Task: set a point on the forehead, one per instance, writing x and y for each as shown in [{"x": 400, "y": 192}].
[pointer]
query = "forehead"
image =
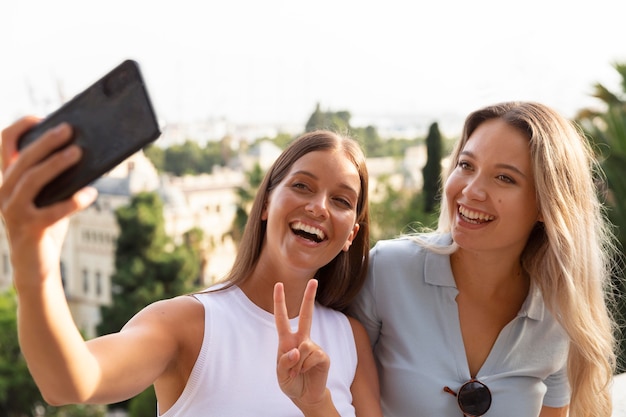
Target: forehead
[
  {"x": 496, "y": 139},
  {"x": 328, "y": 165}
]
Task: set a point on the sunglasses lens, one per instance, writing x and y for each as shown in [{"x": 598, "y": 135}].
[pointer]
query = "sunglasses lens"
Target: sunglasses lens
[{"x": 474, "y": 398}]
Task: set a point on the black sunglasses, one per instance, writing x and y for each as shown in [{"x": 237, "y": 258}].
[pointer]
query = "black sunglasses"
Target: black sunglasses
[{"x": 474, "y": 398}]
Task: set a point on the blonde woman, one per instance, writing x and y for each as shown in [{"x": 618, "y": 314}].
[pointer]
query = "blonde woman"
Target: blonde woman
[{"x": 501, "y": 311}]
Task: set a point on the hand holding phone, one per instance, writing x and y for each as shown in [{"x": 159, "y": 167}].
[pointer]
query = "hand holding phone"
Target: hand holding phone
[{"x": 111, "y": 120}]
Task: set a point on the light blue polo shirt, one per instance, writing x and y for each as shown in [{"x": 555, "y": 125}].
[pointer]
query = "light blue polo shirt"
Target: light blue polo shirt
[{"x": 408, "y": 306}]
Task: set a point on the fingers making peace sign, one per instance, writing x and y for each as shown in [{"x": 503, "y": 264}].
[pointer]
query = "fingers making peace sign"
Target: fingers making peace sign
[{"x": 302, "y": 366}]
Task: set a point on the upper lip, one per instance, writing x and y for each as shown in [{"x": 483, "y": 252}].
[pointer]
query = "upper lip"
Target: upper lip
[
  {"x": 474, "y": 214},
  {"x": 308, "y": 228}
]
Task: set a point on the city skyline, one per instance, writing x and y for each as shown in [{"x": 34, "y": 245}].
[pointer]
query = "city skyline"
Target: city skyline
[{"x": 273, "y": 61}]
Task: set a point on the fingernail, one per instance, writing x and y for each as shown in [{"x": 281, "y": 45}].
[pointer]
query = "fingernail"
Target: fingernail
[
  {"x": 87, "y": 195},
  {"x": 292, "y": 354},
  {"x": 70, "y": 152},
  {"x": 59, "y": 128}
]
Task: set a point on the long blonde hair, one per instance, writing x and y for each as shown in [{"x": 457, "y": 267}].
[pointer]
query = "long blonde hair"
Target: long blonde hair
[{"x": 568, "y": 255}]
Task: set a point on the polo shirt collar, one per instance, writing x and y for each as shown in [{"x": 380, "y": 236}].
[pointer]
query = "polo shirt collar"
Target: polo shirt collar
[{"x": 438, "y": 272}]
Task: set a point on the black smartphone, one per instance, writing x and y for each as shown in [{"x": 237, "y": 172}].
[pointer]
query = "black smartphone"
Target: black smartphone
[{"x": 111, "y": 120}]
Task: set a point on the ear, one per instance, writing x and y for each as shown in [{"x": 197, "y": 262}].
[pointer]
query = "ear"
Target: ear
[
  {"x": 264, "y": 211},
  {"x": 351, "y": 237}
]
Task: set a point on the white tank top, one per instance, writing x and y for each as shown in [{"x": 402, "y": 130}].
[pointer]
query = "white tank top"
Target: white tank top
[{"x": 235, "y": 372}]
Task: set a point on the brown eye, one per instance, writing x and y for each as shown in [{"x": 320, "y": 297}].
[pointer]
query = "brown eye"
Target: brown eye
[
  {"x": 344, "y": 202},
  {"x": 506, "y": 179},
  {"x": 463, "y": 165}
]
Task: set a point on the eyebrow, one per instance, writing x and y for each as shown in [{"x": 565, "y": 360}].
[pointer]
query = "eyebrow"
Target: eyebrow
[
  {"x": 499, "y": 165},
  {"x": 341, "y": 185}
]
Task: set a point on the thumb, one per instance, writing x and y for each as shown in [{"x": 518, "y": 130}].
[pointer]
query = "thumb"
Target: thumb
[{"x": 287, "y": 364}]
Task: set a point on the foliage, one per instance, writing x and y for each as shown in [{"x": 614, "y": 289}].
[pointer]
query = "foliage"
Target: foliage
[
  {"x": 370, "y": 140},
  {"x": 19, "y": 396},
  {"x": 397, "y": 211},
  {"x": 281, "y": 140},
  {"x": 373, "y": 145},
  {"x": 335, "y": 121},
  {"x": 245, "y": 197},
  {"x": 156, "y": 155},
  {"x": 432, "y": 170},
  {"x": 18, "y": 392},
  {"x": 78, "y": 410},
  {"x": 384, "y": 212},
  {"x": 183, "y": 159},
  {"x": 416, "y": 218},
  {"x": 144, "y": 404},
  {"x": 190, "y": 158},
  {"x": 394, "y": 147},
  {"x": 148, "y": 266},
  {"x": 606, "y": 129}
]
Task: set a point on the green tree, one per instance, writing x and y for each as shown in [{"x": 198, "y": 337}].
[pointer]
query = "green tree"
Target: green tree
[
  {"x": 189, "y": 158},
  {"x": 415, "y": 217},
  {"x": 183, "y": 159},
  {"x": 215, "y": 153},
  {"x": 335, "y": 121},
  {"x": 19, "y": 396},
  {"x": 606, "y": 129},
  {"x": 143, "y": 405},
  {"x": 18, "y": 392},
  {"x": 386, "y": 210},
  {"x": 432, "y": 170},
  {"x": 282, "y": 140},
  {"x": 245, "y": 197},
  {"x": 226, "y": 152},
  {"x": 395, "y": 211},
  {"x": 317, "y": 120},
  {"x": 148, "y": 266},
  {"x": 395, "y": 147},
  {"x": 370, "y": 140},
  {"x": 156, "y": 155}
]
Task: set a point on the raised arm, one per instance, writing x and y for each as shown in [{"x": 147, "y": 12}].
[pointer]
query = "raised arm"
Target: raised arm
[{"x": 64, "y": 366}]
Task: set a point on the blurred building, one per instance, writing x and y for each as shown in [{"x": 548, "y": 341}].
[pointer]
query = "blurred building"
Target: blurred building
[
  {"x": 207, "y": 202},
  {"x": 88, "y": 255}
]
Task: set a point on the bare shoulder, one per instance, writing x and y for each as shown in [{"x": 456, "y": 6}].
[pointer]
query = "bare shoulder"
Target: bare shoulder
[
  {"x": 359, "y": 332},
  {"x": 170, "y": 313},
  {"x": 181, "y": 319},
  {"x": 176, "y": 306},
  {"x": 177, "y": 326}
]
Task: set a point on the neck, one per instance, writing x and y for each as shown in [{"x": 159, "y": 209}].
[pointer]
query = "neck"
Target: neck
[
  {"x": 488, "y": 277},
  {"x": 259, "y": 288}
]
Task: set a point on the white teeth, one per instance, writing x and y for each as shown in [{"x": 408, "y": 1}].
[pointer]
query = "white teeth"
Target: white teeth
[
  {"x": 473, "y": 215},
  {"x": 309, "y": 229}
]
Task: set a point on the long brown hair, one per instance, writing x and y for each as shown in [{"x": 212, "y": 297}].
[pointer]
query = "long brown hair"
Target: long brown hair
[{"x": 340, "y": 279}]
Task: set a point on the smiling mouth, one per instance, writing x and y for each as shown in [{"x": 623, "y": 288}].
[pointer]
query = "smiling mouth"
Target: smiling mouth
[
  {"x": 474, "y": 217},
  {"x": 308, "y": 232}
]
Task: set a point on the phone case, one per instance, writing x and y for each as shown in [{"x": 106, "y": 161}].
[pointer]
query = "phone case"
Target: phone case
[{"x": 111, "y": 120}]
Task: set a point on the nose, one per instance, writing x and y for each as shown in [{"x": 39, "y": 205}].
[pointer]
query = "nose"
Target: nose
[
  {"x": 475, "y": 189},
  {"x": 318, "y": 206}
]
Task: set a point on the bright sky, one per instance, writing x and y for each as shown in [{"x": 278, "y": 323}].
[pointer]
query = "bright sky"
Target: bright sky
[{"x": 271, "y": 61}]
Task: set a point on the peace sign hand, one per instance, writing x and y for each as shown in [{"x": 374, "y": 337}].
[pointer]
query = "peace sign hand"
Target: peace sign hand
[{"x": 302, "y": 366}]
